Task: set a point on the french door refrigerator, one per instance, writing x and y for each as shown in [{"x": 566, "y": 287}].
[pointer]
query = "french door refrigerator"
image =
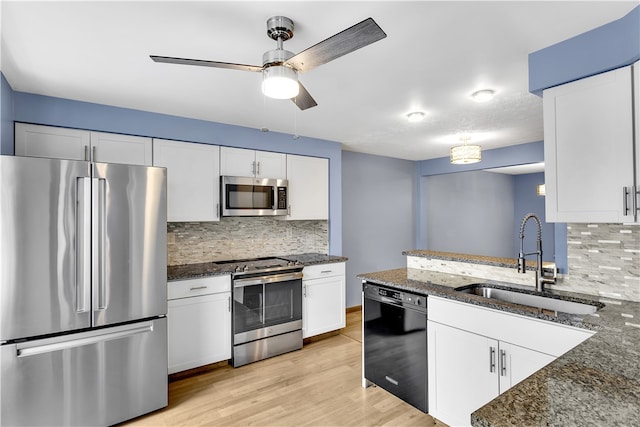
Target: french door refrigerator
[{"x": 83, "y": 338}]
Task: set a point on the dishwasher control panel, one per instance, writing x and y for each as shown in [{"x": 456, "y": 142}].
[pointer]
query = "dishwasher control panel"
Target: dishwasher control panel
[{"x": 394, "y": 296}]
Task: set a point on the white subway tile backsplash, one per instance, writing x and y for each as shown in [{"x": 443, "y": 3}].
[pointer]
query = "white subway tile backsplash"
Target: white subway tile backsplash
[{"x": 603, "y": 263}]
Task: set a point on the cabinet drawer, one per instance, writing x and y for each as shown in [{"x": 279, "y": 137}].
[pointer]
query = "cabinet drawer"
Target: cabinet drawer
[
  {"x": 200, "y": 286},
  {"x": 323, "y": 270},
  {"x": 540, "y": 335}
]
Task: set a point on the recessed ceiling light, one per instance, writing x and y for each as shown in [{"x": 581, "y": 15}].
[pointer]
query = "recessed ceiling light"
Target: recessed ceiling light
[
  {"x": 483, "y": 95},
  {"x": 415, "y": 117}
]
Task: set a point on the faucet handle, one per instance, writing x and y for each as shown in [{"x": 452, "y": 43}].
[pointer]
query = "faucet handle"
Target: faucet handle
[{"x": 521, "y": 264}]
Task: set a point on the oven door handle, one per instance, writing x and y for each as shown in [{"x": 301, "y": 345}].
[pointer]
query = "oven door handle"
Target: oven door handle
[{"x": 272, "y": 278}]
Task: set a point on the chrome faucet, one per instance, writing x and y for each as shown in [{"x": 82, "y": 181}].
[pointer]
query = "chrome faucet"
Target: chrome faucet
[{"x": 540, "y": 278}]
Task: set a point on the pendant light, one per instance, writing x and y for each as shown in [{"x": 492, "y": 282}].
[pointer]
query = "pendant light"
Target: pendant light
[{"x": 465, "y": 154}]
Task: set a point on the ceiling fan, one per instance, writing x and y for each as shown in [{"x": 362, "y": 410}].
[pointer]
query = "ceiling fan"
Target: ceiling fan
[{"x": 280, "y": 67}]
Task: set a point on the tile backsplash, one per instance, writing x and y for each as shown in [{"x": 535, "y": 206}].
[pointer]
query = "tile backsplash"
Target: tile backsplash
[
  {"x": 604, "y": 260},
  {"x": 243, "y": 237}
]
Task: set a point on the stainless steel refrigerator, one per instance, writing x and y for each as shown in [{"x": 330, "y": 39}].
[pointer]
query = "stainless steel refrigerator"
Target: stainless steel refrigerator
[{"x": 83, "y": 332}]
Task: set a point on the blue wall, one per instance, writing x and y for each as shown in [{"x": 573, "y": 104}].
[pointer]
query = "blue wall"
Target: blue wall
[
  {"x": 6, "y": 117},
  {"x": 605, "y": 48},
  {"x": 46, "y": 110},
  {"x": 507, "y": 156},
  {"x": 470, "y": 212},
  {"x": 379, "y": 215},
  {"x": 527, "y": 201}
]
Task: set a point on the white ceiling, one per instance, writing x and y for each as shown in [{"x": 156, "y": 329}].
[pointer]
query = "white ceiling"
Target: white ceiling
[{"x": 436, "y": 54}]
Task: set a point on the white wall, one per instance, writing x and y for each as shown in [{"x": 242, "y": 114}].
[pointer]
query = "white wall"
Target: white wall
[{"x": 378, "y": 215}]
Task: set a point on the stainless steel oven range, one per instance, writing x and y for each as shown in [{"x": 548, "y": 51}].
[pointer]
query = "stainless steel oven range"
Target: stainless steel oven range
[{"x": 267, "y": 308}]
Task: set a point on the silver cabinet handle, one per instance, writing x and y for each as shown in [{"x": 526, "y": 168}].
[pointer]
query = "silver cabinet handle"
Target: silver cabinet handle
[
  {"x": 258, "y": 169},
  {"x": 218, "y": 210},
  {"x": 229, "y": 299},
  {"x": 503, "y": 363},
  {"x": 94, "y": 156},
  {"x": 83, "y": 244},
  {"x": 625, "y": 202},
  {"x": 253, "y": 168},
  {"x": 195, "y": 288},
  {"x": 304, "y": 290},
  {"x": 326, "y": 271},
  {"x": 86, "y": 153},
  {"x": 492, "y": 359}
]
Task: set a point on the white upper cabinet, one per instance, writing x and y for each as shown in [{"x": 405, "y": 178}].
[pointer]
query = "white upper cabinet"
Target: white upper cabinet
[
  {"x": 251, "y": 163},
  {"x": 73, "y": 144},
  {"x": 51, "y": 142},
  {"x": 193, "y": 179},
  {"x": 589, "y": 148},
  {"x": 308, "y": 187},
  {"x": 116, "y": 148}
]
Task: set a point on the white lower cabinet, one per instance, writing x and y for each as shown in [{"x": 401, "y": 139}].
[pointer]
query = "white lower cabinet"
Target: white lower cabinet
[
  {"x": 475, "y": 353},
  {"x": 199, "y": 319},
  {"x": 323, "y": 307}
]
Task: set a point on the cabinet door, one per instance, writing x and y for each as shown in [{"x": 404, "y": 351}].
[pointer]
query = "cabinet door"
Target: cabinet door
[
  {"x": 51, "y": 142},
  {"x": 199, "y": 331},
  {"x": 323, "y": 309},
  {"x": 517, "y": 363},
  {"x": 588, "y": 148},
  {"x": 193, "y": 179},
  {"x": 308, "y": 187},
  {"x": 237, "y": 162},
  {"x": 126, "y": 149},
  {"x": 463, "y": 373},
  {"x": 271, "y": 165}
]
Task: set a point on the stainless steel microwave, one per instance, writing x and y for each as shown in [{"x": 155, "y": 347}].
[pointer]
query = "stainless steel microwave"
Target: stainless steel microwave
[{"x": 243, "y": 196}]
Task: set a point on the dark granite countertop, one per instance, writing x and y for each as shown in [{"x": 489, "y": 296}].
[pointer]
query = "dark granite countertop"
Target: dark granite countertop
[
  {"x": 597, "y": 383},
  {"x": 193, "y": 271},
  {"x": 315, "y": 258}
]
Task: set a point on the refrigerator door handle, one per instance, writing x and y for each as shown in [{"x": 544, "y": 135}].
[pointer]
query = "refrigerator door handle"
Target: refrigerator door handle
[
  {"x": 99, "y": 231},
  {"x": 83, "y": 244},
  {"x": 63, "y": 343}
]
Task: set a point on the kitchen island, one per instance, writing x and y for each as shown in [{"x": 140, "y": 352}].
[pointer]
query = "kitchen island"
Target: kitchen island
[{"x": 595, "y": 383}]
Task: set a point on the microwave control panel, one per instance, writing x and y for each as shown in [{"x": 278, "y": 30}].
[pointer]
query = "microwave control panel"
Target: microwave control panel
[{"x": 282, "y": 197}]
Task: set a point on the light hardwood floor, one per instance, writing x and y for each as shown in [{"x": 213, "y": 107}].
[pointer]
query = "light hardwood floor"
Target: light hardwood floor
[{"x": 316, "y": 386}]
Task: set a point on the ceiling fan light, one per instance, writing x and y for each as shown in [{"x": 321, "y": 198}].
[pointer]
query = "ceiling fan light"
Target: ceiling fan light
[
  {"x": 466, "y": 154},
  {"x": 280, "y": 82}
]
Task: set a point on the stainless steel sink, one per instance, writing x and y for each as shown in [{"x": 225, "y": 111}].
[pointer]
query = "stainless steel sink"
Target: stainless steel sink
[{"x": 531, "y": 299}]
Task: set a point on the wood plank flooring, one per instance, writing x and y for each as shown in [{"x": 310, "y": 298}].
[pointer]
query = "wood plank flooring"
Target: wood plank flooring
[{"x": 316, "y": 386}]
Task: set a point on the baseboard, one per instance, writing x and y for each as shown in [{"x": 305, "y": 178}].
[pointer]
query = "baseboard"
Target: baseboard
[
  {"x": 354, "y": 309},
  {"x": 197, "y": 371}
]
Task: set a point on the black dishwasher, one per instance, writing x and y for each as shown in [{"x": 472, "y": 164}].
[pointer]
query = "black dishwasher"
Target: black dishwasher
[{"x": 395, "y": 342}]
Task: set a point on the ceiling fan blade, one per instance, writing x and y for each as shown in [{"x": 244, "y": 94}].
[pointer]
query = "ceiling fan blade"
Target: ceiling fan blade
[
  {"x": 204, "y": 63},
  {"x": 346, "y": 41},
  {"x": 304, "y": 99}
]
